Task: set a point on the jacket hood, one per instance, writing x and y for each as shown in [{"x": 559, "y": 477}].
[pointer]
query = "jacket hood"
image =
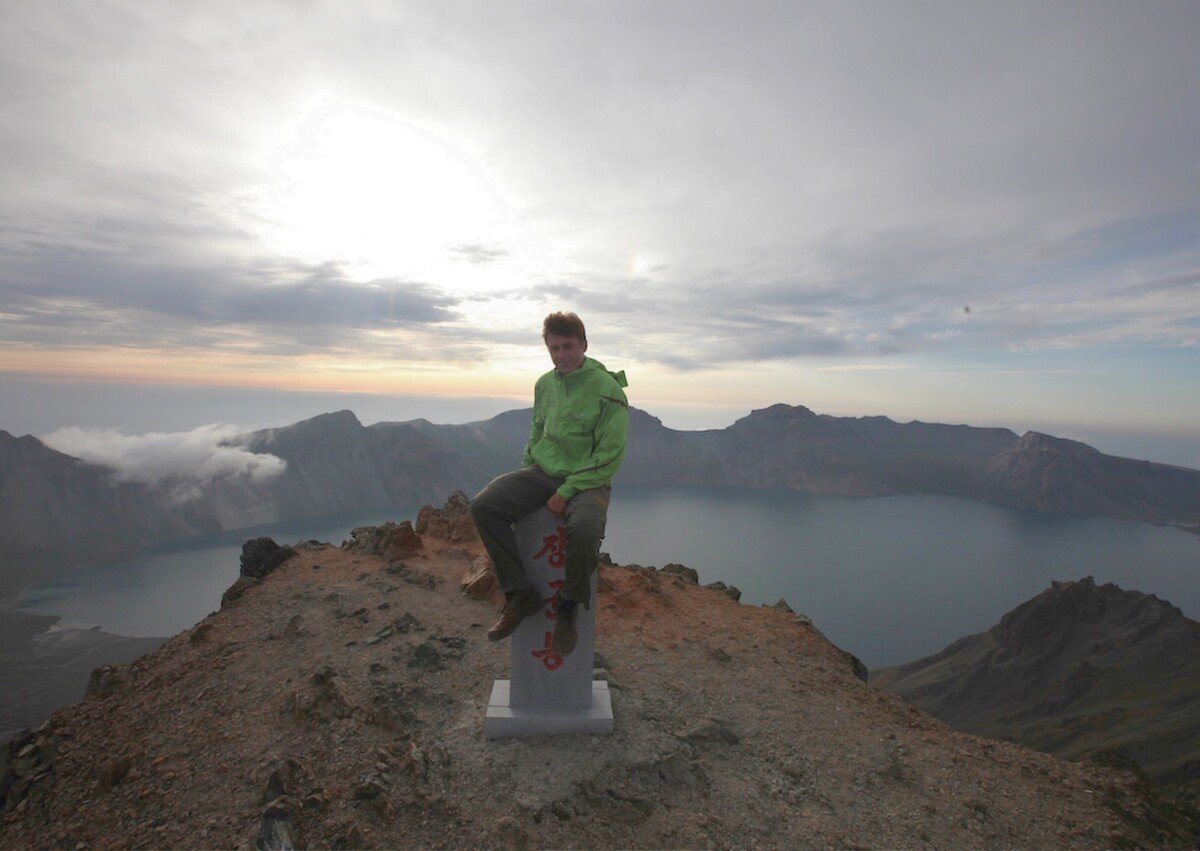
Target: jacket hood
[{"x": 591, "y": 364}]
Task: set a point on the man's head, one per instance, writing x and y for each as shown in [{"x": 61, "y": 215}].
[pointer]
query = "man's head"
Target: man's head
[{"x": 566, "y": 340}]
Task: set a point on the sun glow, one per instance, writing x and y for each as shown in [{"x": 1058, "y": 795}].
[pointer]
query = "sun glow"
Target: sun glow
[{"x": 354, "y": 185}]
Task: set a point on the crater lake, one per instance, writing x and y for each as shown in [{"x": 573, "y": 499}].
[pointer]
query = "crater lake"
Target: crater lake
[{"x": 890, "y": 579}]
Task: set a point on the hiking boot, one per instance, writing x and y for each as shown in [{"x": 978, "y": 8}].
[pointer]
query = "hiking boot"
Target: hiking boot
[
  {"x": 520, "y": 606},
  {"x": 565, "y": 635}
]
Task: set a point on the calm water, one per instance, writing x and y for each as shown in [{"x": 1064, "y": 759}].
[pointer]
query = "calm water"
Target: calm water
[
  {"x": 170, "y": 587},
  {"x": 889, "y": 579}
]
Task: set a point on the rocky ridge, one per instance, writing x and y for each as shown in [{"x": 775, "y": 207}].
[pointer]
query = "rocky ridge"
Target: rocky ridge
[
  {"x": 338, "y": 700},
  {"x": 1079, "y": 669}
]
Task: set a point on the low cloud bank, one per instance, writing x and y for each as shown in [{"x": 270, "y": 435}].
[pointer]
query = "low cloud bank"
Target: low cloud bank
[{"x": 182, "y": 459}]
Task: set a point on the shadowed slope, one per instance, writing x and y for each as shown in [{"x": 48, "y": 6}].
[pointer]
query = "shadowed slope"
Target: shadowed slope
[{"x": 1078, "y": 669}]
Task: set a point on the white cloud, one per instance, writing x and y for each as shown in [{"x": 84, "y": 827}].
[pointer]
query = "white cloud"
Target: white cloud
[
  {"x": 864, "y": 367},
  {"x": 179, "y": 460}
]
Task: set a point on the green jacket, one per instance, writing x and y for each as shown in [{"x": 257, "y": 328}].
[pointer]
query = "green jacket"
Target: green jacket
[{"x": 580, "y": 421}]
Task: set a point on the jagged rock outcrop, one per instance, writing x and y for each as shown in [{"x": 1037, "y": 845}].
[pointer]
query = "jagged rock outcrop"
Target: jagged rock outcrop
[
  {"x": 690, "y": 574},
  {"x": 451, "y": 522},
  {"x": 310, "y": 713},
  {"x": 1077, "y": 670},
  {"x": 731, "y": 591},
  {"x": 391, "y": 541},
  {"x": 259, "y": 557},
  {"x": 262, "y": 555}
]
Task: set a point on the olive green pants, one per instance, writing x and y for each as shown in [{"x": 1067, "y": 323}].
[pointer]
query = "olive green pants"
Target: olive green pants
[{"x": 508, "y": 498}]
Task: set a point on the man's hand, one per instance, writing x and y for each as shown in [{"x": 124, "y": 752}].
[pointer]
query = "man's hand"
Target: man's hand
[{"x": 557, "y": 505}]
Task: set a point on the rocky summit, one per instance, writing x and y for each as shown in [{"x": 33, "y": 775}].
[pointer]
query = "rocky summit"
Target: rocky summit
[
  {"x": 337, "y": 701},
  {"x": 1080, "y": 669}
]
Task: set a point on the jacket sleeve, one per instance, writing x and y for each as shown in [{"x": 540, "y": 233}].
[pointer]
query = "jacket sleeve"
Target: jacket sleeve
[
  {"x": 536, "y": 428},
  {"x": 608, "y": 447}
]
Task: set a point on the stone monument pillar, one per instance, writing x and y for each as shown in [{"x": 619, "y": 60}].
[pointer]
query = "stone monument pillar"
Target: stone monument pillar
[{"x": 548, "y": 693}]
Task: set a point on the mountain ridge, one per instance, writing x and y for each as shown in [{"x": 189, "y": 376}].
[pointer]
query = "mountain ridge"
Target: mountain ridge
[
  {"x": 1078, "y": 669},
  {"x": 334, "y": 463}
]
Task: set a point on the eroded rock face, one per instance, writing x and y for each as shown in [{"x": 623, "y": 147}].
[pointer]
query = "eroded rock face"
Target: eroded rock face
[
  {"x": 452, "y": 522},
  {"x": 390, "y": 541}
]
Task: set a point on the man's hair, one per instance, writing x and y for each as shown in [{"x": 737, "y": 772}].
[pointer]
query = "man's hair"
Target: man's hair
[{"x": 564, "y": 325}]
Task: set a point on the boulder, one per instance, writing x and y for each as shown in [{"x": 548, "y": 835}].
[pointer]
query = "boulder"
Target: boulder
[
  {"x": 687, "y": 573},
  {"x": 481, "y": 583},
  {"x": 731, "y": 591},
  {"x": 262, "y": 555}
]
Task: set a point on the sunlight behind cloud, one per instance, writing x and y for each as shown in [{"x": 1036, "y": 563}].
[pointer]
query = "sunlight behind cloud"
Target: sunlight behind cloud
[{"x": 352, "y": 184}]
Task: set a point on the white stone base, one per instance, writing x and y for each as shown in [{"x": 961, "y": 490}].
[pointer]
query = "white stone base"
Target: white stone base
[{"x": 503, "y": 720}]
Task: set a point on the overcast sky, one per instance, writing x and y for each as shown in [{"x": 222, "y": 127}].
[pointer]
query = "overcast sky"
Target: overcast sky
[{"x": 983, "y": 213}]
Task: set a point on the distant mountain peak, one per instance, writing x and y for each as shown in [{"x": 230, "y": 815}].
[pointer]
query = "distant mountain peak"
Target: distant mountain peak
[
  {"x": 783, "y": 411},
  {"x": 341, "y": 418},
  {"x": 1078, "y": 669},
  {"x": 1082, "y": 602},
  {"x": 778, "y": 413},
  {"x": 321, "y": 427},
  {"x": 1035, "y": 441},
  {"x": 28, "y": 440}
]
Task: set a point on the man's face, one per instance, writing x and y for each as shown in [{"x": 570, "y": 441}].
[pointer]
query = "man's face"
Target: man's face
[{"x": 566, "y": 352}]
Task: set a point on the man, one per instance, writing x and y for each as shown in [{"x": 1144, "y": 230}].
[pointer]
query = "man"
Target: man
[{"x": 576, "y": 443}]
